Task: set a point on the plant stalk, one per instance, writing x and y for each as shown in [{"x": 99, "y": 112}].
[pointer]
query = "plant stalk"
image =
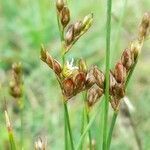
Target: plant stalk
[
  {"x": 68, "y": 125},
  {"x": 88, "y": 119},
  {"x": 106, "y": 105},
  {"x": 88, "y": 127}
]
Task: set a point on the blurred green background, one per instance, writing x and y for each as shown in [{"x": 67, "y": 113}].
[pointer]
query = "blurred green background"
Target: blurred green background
[{"x": 25, "y": 24}]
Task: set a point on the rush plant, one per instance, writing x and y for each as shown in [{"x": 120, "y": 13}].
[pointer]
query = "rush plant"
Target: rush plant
[{"x": 74, "y": 77}]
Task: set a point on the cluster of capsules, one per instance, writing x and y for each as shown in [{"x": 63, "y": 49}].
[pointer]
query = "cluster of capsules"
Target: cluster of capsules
[{"x": 75, "y": 79}]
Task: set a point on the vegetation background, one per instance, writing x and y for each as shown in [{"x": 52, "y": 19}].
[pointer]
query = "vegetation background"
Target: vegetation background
[{"x": 25, "y": 24}]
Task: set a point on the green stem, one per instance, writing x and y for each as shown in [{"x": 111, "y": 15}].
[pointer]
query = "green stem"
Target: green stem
[
  {"x": 82, "y": 126},
  {"x": 89, "y": 132},
  {"x": 88, "y": 119},
  {"x": 65, "y": 130},
  {"x": 11, "y": 140},
  {"x": 68, "y": 125},
  {"x": 106, "y": 105},
  {"x": 87, "y": 128},
  {"x": 115, "y": 114},
  {"x": 100, "y": 129},
  {"x": 21, "y": 106},
  {"x": 119, "y": 26}
]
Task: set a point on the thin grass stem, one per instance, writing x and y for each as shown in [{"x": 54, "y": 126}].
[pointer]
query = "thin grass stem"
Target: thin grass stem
[
  {"x": 106, "y": 105},
  {"x": 82, "y": 126},
  {"x": 115, "y": 114},
  {"x": 88, "y": 119},
  {"x": 68, "y": 125},
  {"x": 88, "y": 127}
]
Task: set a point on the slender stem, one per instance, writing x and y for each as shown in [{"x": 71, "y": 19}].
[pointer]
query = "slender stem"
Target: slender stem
[
  {"x": 115, "y": 114},
  {"x": 21, "y": 107},
  {"x": 88, "y": 119},
  {"x": 119, "y": 27},
  {"x": 89, "y": 132},
  {"x": 87, "y": 127},
  {"x": 82, "y": 126},
  {"x": 106, "y": 106},
  {"x": 68, "y": 124},
  {"x": 65, "y": 130},
  {"x": 100, "y": 130},
  {"x": 12, "y": 142}
]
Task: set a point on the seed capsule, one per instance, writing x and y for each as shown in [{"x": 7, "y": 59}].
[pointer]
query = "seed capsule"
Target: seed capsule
[
  {"x": 82, "y": 65},
  {"x": 77, "y": 28},
  {"x": 136, "y": 48},
  {"x": 69, "y": 35},
  {"x": 65, "y": 16},
  {"x": 68, "y": 88},
  {"x": 43, "y": 54},
  {"x": 93, "y": 94},
  {"x": 119, "y": 72},
  {"x": 87, "y": 22},
  {"x": 127, "y": 59},
  {"x": 57, "y": 67},
  {"x": 99, "y": 76},
  {"x": 49, "y": 60},
  {"x": 60, "y": 4},
  {"x": 79, "y": 81},
  {"x": 144, "y": 26},
  {"x": 119, "y": 91},
  {"x": 90, "y": 79}
]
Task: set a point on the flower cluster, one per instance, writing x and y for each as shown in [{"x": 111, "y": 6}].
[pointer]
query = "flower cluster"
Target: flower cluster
[
  {"x": 75, "y": 79},
  {"x": 16, "y": 82},
  {"x": 123, "y": 68},
  {"x": 72, "y": 31}
]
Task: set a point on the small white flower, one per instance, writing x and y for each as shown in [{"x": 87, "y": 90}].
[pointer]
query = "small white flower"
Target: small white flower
[
  {"x": 70, "y": 65},
  {"x": 69, "y": 68}
]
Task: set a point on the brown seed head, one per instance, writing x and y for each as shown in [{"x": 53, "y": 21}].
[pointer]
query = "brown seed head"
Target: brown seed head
[
  {"x": 93, "y": 94},
  {"x": 79, "y": 81},
  {"x": 16, "y": 67},
  {"x": 57, "y": 67},
  {"x": 65, "y": 16},
  {"x": 49, "y": 60},
  {"x": 60, "y": 5},
  {"x": 69, "y": 35},
  {"x": 144, "y": 26},
  {"x": 15, "y": 85},
  {"x": 127, "y": 59},
  {"x": 99, "y": 76},
  {"x": 90, "y": 79},
  {"x": 77, "y": 28},
  {"x": 43, "y": 55},
  {"x": 136, "y": 48},
  {"x": 68, "y": 88},
  {"x": 119, "y": 91},
  {"x": 119, "y": 73}
]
